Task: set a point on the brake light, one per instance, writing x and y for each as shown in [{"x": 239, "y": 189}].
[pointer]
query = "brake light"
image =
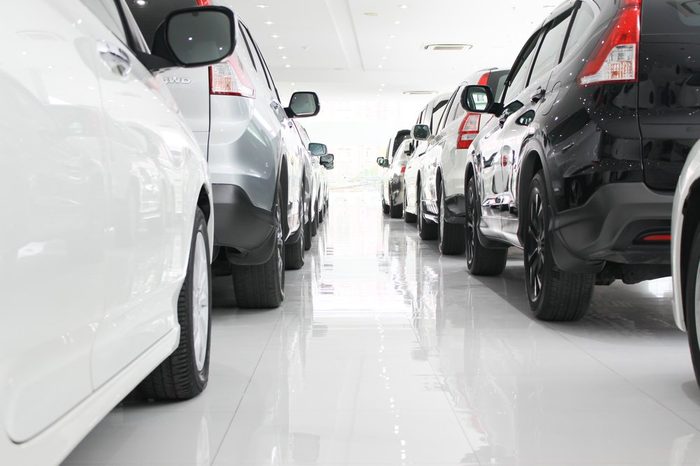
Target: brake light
[
  {"x": 468, "y": 130},
  {"x": 229, "y": 78},
  {"x": 403, "y": 169},
  {"x": 484, "y": 80},
  {"x": 616, "y": 59}
]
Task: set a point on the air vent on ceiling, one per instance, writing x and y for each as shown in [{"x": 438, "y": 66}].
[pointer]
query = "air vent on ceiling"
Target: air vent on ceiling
[
  {"x": 419, "y": 92},
  {"x": 448, "y": 47}
]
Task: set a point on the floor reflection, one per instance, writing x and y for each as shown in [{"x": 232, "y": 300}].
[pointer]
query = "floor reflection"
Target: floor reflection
[{"x": 385, "y": 353}]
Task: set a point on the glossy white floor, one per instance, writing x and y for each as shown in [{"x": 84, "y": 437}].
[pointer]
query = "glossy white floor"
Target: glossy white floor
[{"x": 384, "y": 353}]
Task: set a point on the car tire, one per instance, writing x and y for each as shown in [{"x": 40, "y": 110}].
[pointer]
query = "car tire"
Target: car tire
[
  {"x": 481, "y": 261},
  {"x": 407, "y": 216},
  {"x": 451, "y": 236},
  {"x": 554, "y": 295},
  {"x": 427, "y": 230},
  {"x": 294, "y": 252},
  {"x": 185, "y": 373},
  {"x": 262, "y": 286},
  {"x": 691, "y": 300},
  {"x": 322, "y": 214},
  {"x": 315, "y": 224},
  {"x": 307, "y": 235},
  {"x": 385, "y": 208},
  {"x": 396, "y": 211}
]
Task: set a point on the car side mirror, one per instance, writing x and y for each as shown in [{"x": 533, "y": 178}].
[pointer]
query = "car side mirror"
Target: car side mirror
[
  {"x": 420, "y": 132},
  {"x": 193, "y": 37},
  {"x": 479, "y": 99},
  {"x": 381, "y": 162},
  {"x": 303, "y": 105},
  {"x": 316, "y": 148},
  {"x": 328, "y": 161}
]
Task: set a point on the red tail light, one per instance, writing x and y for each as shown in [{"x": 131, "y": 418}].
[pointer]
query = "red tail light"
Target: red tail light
[
  {"x": 656, "y": 238},
  {"x": 229, "y": 78},
  {"x": 468, "y": 130},
  {"x": 616, "y": 59},
  {"x": 484, "y": 81},
  {"x": 403, "y": 169},
  {"x": 202, "y": 2}
]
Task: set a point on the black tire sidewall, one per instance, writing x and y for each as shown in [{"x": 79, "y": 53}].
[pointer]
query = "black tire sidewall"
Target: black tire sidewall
[
  {"x": 200, "y": 226},
  {"x": 690, "y": 305}
]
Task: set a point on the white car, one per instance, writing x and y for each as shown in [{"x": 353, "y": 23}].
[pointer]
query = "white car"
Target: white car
[
  {"x": 444, "y": 164},
  {"x": 393, "y": 178},
  {"x": 685, "y": 255},
  {"x": 429, "y": 116},
  {"x": 108, "y": 219},
  {"x": 256, "y": 158}
]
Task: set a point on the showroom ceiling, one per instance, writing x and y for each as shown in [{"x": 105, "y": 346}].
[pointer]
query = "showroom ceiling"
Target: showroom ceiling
[{"x": 378, "y": 46}]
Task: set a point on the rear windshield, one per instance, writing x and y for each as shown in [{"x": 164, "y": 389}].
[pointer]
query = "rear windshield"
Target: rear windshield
[
  {"x": 150, "y": 13},
  {"x": 671, "y": 16},
  {"x": 497, "y": 82}
]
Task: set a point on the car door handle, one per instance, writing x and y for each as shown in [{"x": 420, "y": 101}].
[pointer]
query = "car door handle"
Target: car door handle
[
  {"x": 539, "y": 95},
  {"x": 116, "y": 58}
]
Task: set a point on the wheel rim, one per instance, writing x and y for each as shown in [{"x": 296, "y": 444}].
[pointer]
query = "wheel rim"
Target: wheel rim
[
  {"x": 200, "y": 302},
  {"x": 470, "y": 227},
  {"x": 280, "y": 247},
  {"x": 535, "y": 251}
]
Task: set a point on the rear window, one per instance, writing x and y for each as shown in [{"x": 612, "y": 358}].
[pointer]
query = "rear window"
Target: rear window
[
  {"x": 671, "y": 17},
  {"x": 497, "y": 82},
  {"x": 150, "y": 13}
]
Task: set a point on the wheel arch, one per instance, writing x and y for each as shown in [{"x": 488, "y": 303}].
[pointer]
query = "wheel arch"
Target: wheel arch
[
  {"x": 532, "y": 163},
  {"x": 691, "y": 220},
  {"x": 204, "y": 202}
]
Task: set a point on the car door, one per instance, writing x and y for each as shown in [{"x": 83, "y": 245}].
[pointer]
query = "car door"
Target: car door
[
  {"x": 539, "y": 96},
  {"x": 150, "y": 150},
  {"x": 54, "y": 179},
  {"x": 433, "y": 155},
  {"x": 292, "y": 147}
]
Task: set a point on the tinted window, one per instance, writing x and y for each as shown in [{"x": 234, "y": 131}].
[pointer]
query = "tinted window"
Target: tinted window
[
  {"x": 671, "y": 16},
  {"x": 582, "y": 20},
  {"x": 497, "y": 83},
  {"x": 437, "y": 114},
  {"x": 550, "y": 50},
  {"x": 150, "y": 14},
  {"x": 521, "y": 70},
  {"x": 108, "y": 13}
]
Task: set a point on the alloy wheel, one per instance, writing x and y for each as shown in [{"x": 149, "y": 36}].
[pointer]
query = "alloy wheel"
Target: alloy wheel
[
  {"x": 200, "y": 302},
  {"x": 535, "y": 246},
  {"x": 471, "y": 225}
]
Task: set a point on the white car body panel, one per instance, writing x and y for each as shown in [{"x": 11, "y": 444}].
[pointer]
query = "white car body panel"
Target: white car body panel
[
  {"x": 100, "y": 181},
  {"x": 689, "y": 175}
]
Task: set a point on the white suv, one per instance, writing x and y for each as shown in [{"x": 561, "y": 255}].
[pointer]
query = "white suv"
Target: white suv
[
  {"x": 256, "y": 159},
  {"x": 105, "y": 249},
  {"x": 443, "y": 166}
]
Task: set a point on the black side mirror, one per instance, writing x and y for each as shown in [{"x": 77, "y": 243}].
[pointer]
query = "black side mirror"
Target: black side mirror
[
  {"x": 194, "y": 37},
  {"x": 382, "y": 162},
  {"x": 303, "y": 105},
  {"x": 328, "y": 161},
  {"x": 420, "y": 132},
  {"x": 479, "y": 99},
  {"x": 316, "y": 148}
]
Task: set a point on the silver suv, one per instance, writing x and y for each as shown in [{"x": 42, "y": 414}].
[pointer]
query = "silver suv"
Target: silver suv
[{"x": 256, "y": 159}]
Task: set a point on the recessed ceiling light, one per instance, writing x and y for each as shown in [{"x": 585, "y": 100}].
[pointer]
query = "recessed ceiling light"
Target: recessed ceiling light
[
  {"x": 287, "y": 65},
  {"x": 403, "y": 7},
  {"x": 382, "y": 84},
  {"x": 419, "y": 92},
  {"x": 383, "y": 58},
  {"x": 380, "y": 66},
  {"x": 393, "y": 36},
  {"x": 280, "y": 47},
  {"x": 269, "y": 23},
  {"x": 397, "y": 22},
  {"x": 284, "y": 57},
  {"x": 275, "y": 36},
  {"x": 371, "y": 13},
  {"x": 294, "y": 84},
  {"x": 262, "y": 5},
  {"x": 448, "y": 47},
  {"x": 388, "y": 47}
]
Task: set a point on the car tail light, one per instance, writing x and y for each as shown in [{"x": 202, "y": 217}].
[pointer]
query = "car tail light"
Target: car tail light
[
  {"x": 484, "y": 81},
  {"x": 403, "y": 169},
  {"x": 656, "y": 238},
  {"x": 229, "y": 78},
  {"x": 202, "y": 2},
  {"x": 468, "y": 130},
  {"x": 616, "y": 59}
]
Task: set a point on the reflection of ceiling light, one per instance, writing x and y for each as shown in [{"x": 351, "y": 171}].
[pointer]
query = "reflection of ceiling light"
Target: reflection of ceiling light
[
  {"x": 371, "y": 13},
  {"x": 141, "y": 3},
  {"x": 448, "y": 47},
  {"x": 419, "y": 92}
]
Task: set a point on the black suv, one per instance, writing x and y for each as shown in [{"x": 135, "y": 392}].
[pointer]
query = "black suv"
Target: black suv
[{"x": 579, "y": 168}]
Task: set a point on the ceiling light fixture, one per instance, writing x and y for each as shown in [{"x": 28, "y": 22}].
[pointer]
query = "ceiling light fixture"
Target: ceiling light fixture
[
  {"x": 275, "y": 36},
  {"x": 269, "y": 23},
  {"x": 403, "y": 6},
  {"x": 280, "y": 47},
  {"x": 262, "y": 5},
  {"x": 371, "y": 13},
  {"x": 397, "y": 22},
  {"x": 287, "y": 65},
  {"x": 284, "y": 57},
  {"x": 448, "y": 47},
  {"x": 419, "y": 92}
]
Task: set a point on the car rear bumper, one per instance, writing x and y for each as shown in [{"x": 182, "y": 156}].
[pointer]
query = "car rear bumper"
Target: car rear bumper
[
  {"x": 246, "y": 231},
  {"x": 609, "y": 227}
]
